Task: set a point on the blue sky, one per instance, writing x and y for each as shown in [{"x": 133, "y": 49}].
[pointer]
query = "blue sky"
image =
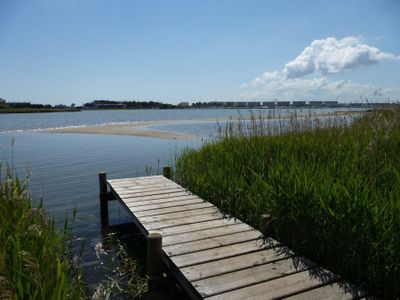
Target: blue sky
[{"x": 65, "y": 51}]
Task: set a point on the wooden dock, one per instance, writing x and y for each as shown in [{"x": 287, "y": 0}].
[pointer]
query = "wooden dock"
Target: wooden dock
[{"x": 213, "y": 255}]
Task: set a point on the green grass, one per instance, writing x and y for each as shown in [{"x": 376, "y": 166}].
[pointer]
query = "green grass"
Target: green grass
[
  {"x": 332, "y": 189},
  {"x": 35, "y": 258}
]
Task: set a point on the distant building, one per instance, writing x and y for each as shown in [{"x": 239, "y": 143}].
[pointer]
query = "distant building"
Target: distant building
[
  {"x": 216, "y": 104},
  {"x": 2, "y": 101},
  {"x": 331, "y": 103},
  {"x": 315, "y": 103},
  {"x": 299, "y": 103},
  {"x": 253, "y": 104},
  {"x": 268, "y": 104},
  {"x": 283, "y": 104}
]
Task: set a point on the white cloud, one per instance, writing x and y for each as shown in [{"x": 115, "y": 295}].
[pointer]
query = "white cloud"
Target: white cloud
[
  {"x": 328, "y": 56},
  {"x": 321, "y": 58}
]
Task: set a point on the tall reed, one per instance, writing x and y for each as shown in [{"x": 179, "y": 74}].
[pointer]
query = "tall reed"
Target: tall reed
[
  {"x": 332, "y": 185},
  {"x": 35, "y": 258}
]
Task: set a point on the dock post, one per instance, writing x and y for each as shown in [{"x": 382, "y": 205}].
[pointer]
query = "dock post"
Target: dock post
[
  {"x": 154, "y": 262},
  {"x": 167, "y": 172},
  {"x": 266, "y": 224},
  {"x": 103, "y": 199}
]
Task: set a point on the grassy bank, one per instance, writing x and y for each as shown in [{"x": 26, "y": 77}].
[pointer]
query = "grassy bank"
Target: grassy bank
[
  {"x": 35, "y": 261},
  {"x": 332, "y": 189}
]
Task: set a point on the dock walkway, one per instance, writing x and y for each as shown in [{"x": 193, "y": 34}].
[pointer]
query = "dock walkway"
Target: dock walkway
[{"x": 215, "y": 256}]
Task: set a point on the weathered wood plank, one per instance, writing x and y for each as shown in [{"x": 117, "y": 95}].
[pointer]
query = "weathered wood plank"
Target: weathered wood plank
[
  {"x": 211, "y": 242},
  {"x": 184, "y": 214},
  {"x": 246, "y": 277},
  {"x": 131, "y": 183},
  {"x": 218, "y": 253},
  {"x": 204, "y": 234},
  {"x": 280, "y": 287},
  {"x": 155, "y": 212},
  {"x": 135, "y": 209},
  {"x": 336, "y": 291},
  {"x": 215, "y": 268},
  {"x": 140, "y": 202},
  {"x": 197, "y": 226},
  {"x": 138, "y": 180},
  {"x": 158, "y": 192},
  {"x": 155, "y": 197},
  {"x": 139, "y": 188},
  {"x": 133, "y": 179},
  {"x": 181, "y": 221}
]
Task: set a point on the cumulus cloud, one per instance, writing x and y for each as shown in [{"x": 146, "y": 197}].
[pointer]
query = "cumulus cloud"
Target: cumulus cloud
[
  {"x": 320, "y": 58},
  {"x": 328, "y": 56}
]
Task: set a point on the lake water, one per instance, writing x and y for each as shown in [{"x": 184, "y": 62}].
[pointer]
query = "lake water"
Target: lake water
[{"x": 63, "y": 167}]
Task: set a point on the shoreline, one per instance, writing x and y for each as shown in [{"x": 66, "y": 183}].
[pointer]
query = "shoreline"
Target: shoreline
[{"x": 141, "y": 128}]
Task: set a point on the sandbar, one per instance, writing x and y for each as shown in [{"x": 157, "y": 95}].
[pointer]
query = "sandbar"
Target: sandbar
[
  {"x": 128, "y": 128},
  {"x": 141, "y": 128}
]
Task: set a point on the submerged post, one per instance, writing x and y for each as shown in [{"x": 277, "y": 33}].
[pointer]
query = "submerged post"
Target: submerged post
[
  {"x": 103, "y": 199},
  {"x": 154, "y": 261},
  {"x": 167, "y": 172}
]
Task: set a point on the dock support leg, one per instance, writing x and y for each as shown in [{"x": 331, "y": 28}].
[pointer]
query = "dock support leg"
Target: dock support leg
[
  {"x": 167, "y": 172},
  {"x": 103, "y": 199},
  {"x": 154, "y": 263},
  {"x": 266, "y": 224}
]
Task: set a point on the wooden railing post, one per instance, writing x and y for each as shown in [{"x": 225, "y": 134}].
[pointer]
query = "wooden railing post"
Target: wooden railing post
[
  {"x": 266, "y": 224},
  {"x": 103, "y": 199},
  {"x": 167, "y": 172},
  {"x": 154, "y": 261}
]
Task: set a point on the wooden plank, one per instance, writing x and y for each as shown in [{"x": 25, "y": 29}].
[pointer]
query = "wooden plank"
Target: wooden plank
[
  {"x": 155, "y": 197},
  {"x": 181, "y": 221},
  {"x": 204, "y": 234},
  {"x": 218, "y": 253},
  {"x": 212, "y": 242},
  {"x": 145, "y": 180},
  {"x": 246, "y": 277},
  {"x": 142, "y": 183},
  {"x": 142, "y": 178},
  {"x": 158, "y": 192},
  {"x": 163, "y": 205},
  {"x": 138, "y": 202},
  {"x": 197, "y": 226},
  {"x": 280, "y": 287},
  {"x": 139, "y": 188},
  {"x": 223, "y": 266},
  {"x": 137, "y": 181},
  {"x": 183, "y": 214},
  {"x": 336, "y": 291},
  {"x": 155, "y": 212}
]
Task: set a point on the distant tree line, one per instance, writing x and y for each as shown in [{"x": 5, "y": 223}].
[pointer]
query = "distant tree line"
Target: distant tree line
[
  {"x": 25, "y": 106},
  {"x": 109, "y": 104}
]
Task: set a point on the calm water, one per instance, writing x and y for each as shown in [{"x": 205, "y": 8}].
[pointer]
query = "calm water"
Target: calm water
[{"x": 63, "y": 167}]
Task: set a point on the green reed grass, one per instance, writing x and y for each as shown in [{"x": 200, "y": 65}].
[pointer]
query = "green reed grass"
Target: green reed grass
[
  {"x": 332, "y": 188},
  {"x": 35, "y": 258}
]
